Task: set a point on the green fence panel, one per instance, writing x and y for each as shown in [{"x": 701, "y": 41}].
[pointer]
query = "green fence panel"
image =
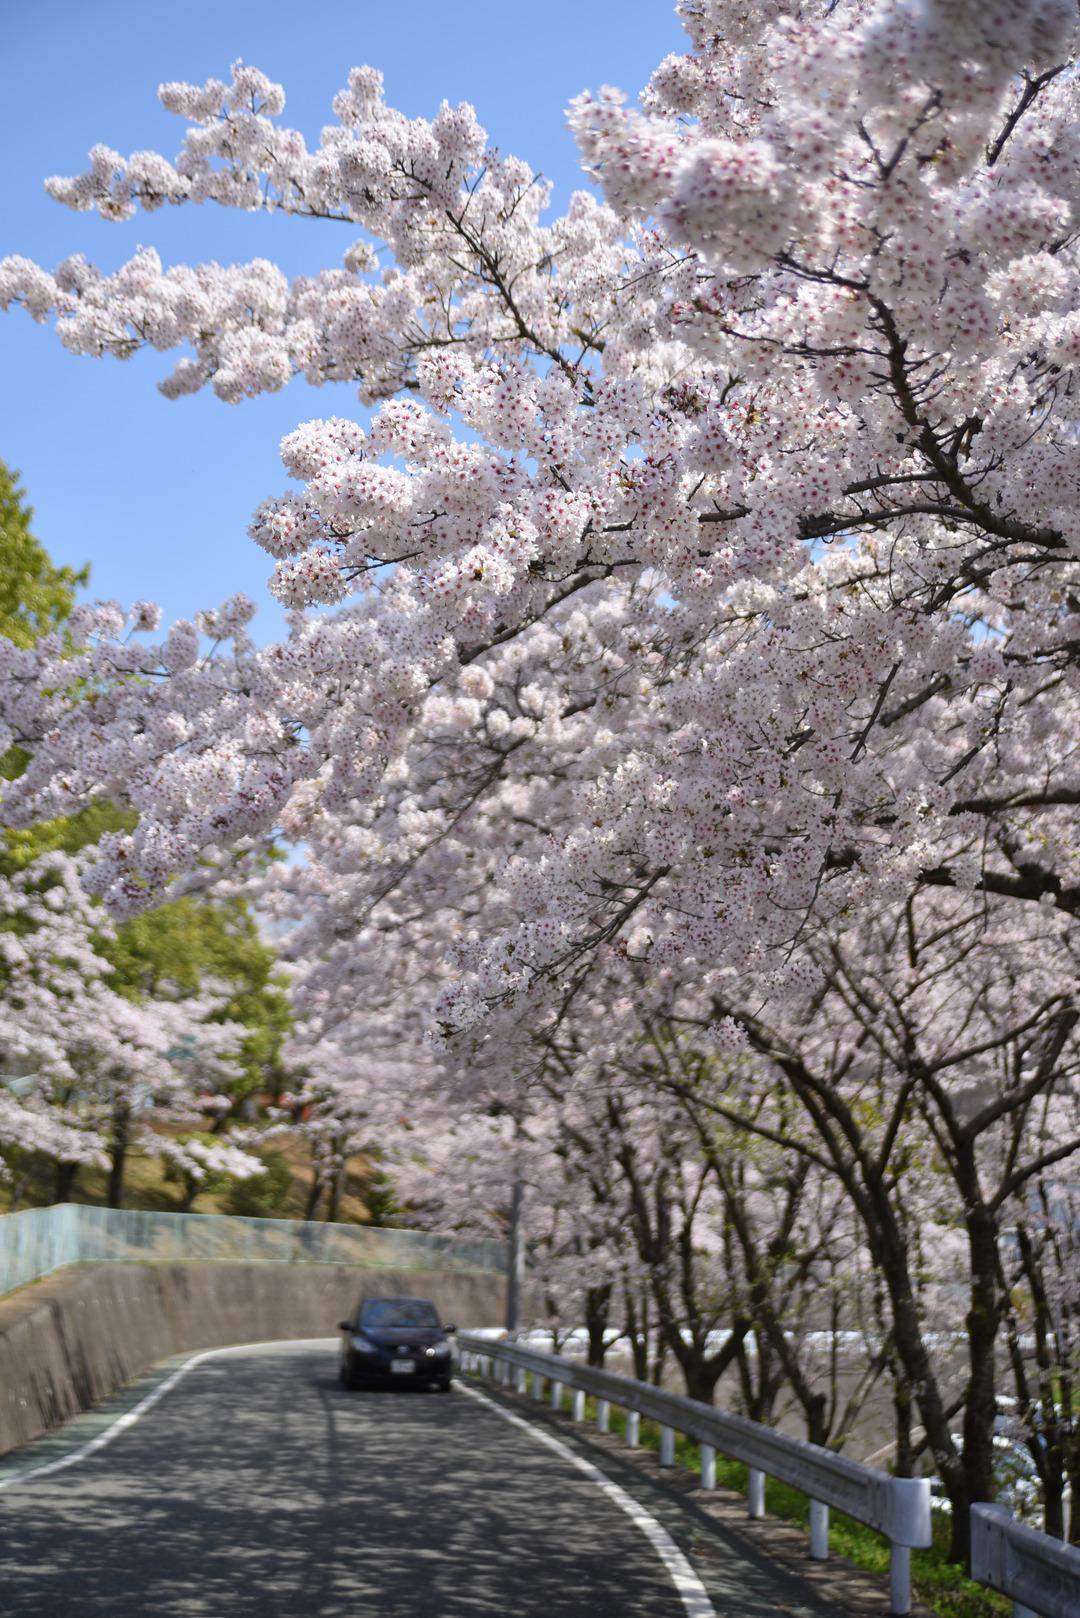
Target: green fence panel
[{"x": 37, "y": 1241}]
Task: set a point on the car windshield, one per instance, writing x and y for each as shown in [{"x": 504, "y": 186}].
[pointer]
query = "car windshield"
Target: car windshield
[{"x": 391, "y": 1312}]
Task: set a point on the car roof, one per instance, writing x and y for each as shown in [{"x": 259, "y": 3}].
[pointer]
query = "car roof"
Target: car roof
[{"x": 401, "y": 1299}]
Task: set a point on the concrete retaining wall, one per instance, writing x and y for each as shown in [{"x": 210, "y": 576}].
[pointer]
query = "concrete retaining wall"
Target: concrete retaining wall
[{"x": 82, "y": 1333}]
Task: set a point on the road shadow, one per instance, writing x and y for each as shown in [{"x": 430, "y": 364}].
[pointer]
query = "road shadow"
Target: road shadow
[{"x": 259, "y": 1488}]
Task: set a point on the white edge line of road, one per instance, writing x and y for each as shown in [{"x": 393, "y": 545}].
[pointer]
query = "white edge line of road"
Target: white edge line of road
[
  {"x": 692, "y": 1592},
  {"x": 136, "y": 1413}
]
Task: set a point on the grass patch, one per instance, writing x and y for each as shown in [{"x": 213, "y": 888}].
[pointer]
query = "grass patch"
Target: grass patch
[{"x": 936, "y": 1582}]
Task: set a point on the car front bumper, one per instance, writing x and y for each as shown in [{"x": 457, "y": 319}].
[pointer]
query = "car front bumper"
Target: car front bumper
[{"x": 376, "y": 1368}]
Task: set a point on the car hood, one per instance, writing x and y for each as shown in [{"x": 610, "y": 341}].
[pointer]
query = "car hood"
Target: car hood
[{"x": 408, "y": 1336}]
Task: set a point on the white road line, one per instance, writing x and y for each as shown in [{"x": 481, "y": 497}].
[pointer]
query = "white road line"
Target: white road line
[
  {"x": 137, "y": 1412},
  {"x": 692, "y": 1592}
]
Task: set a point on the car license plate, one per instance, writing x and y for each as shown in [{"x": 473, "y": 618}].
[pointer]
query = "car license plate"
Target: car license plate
[{"x": 405, "y": 1367}]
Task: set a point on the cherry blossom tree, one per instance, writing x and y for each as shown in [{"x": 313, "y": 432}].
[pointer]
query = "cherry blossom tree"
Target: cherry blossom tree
[
  {"x": 701, "y": 635},
  {"x": 1041, "y": 1266},
  {"x": 793, "y": 402},
  {"x": 90, "y": 1072},
  {"x": 931, "y": 1064}
]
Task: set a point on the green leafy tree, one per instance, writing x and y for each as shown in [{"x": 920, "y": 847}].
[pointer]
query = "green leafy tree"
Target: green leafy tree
[
  {"x": 380, "y": 1199},
  {"x": 35, "y": 594},
  {"x": 265, "y": 1195},
  {"x": 178, "y": 946},
  {"x": 67, "y": 834}
]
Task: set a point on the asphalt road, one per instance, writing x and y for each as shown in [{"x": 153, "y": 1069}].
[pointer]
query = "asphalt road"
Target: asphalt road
[{"x": 256, "y": 1486}]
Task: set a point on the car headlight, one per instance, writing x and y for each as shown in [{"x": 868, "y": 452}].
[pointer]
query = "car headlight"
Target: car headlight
[{"x": 364, "y": 1344}]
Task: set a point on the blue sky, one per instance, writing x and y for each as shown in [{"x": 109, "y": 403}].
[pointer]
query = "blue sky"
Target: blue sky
[{"x": 156, "y": 494}]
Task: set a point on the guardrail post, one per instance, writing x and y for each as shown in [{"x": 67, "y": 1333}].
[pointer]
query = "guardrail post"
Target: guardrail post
[
  {"x": 556, "y": 1395},
  {"x": 603, "y": 1416},
  {"x": 707, "y": 1456},
  {"x": 819, "y": 1531},
  {"x": 519, "y": 1380},
  {"x": 579, "y": 1404},
  {"x": 633, "y": 1429},
  {"x": 538, "y": 1385},
  {"x": 755, "y": 1493},
  {"x": 900, "y": 1580},
  {"x": 667, "y": 1446}
]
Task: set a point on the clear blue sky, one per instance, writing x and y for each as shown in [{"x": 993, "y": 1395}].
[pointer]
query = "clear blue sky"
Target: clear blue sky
[{"x": 156, "y": 494}]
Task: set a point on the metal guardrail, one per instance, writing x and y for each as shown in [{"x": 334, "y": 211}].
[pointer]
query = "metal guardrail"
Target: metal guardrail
[
  {"x": 38, "y": 1241},
  {"x": 899, "y": 1508},
  {"x": 1042, "y": 1575}
]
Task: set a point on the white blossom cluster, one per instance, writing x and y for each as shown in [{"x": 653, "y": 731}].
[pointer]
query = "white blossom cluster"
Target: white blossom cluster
[
  {"x": 689, "y": 754},
  {"x": 75, "y": 1052}
]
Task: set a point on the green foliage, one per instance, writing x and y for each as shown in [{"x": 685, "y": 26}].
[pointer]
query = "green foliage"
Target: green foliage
[
  {"x": 67, "y": 834},
  {"x": 175, "y": 948},
  {"x": 262, "y": 1196},
  {"x": 35, "y": 594},
  {"x": 210, "y": 1183},
  {"x": 380, "y": 1199}
]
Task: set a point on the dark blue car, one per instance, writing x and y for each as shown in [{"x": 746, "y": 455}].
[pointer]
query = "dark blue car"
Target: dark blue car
[{"x": 395, "y": 1342}]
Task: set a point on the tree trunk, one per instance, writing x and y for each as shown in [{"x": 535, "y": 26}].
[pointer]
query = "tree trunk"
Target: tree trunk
[
  {"x": 903, "y": 1458},
  {"x": 983, "y": 1320},
  {"x": 311, "y": 1206},
  {"x": 656, "y": 1371},
  {"x": 66, "y": 1175},
  {"x": 338, "y": 1176},
  {"x": 120, "y": 1136},
  {"x": 700, "y": 1379},
  {"x": 597, "y": 1311},
  {"x": 889, "y": 1251},
  {"x": 638, "y": 1332},
  {"x": 1047, "y": 1409}
]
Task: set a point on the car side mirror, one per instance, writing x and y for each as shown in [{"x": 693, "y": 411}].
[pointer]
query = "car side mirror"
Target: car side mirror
[
  {"x": 344, "y": 1325},
  {"x": 449, "y": 1328}
]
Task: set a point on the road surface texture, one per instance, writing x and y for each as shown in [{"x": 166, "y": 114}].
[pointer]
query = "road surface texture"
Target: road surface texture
[{"x": 256, "y": 1486}]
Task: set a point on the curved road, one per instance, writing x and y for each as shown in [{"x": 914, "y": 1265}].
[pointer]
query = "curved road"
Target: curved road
[{"x": 257, "y": 1488}]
